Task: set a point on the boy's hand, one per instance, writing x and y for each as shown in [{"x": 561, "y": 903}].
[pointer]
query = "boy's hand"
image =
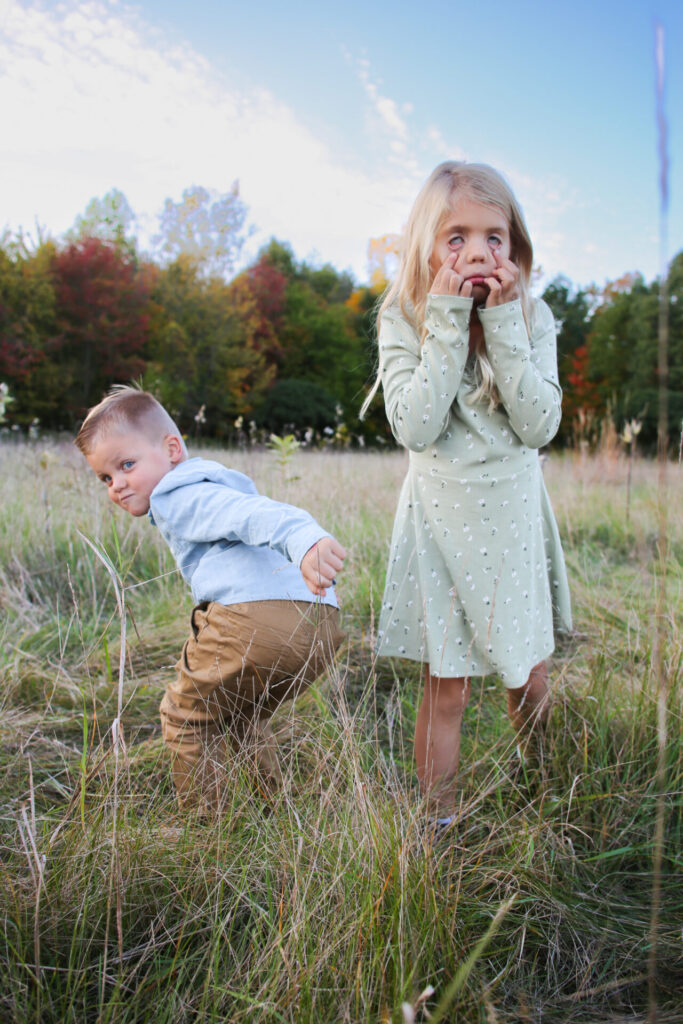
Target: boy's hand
[{"x": 321, "y": 563}]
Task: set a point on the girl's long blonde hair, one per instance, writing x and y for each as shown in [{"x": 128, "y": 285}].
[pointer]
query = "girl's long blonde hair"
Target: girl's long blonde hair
[{"x": 447, "y": 183}]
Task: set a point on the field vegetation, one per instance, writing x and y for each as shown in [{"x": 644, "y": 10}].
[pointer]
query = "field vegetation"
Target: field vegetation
[{"x": 558, "y": 896}]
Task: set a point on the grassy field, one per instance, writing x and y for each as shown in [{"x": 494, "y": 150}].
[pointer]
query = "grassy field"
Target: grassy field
[{"x": 336, "y": 905}]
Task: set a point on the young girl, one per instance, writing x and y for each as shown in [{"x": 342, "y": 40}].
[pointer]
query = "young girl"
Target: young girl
[{"x": 476, "y": 573}]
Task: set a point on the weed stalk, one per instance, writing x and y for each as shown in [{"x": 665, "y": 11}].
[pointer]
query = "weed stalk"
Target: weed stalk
[{"x": 659, "y": 654}]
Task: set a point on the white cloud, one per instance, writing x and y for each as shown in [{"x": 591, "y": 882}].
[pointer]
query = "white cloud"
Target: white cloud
[
  {"x": 90, "y": 101},
  {"x": 94, "y": 98},
  {"x": 386, "y": 120}
]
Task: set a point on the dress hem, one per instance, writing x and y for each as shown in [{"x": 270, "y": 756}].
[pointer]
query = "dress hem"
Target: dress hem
[{"x": 423, "y": 660}]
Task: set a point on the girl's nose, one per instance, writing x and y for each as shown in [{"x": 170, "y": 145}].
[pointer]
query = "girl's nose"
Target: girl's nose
[{"x": 476, "y": 251}]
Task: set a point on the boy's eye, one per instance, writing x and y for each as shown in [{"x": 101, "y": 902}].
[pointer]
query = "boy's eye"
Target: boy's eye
[
  {"x": 127, "y": 465},
  {"x": 105, "y": 479}
]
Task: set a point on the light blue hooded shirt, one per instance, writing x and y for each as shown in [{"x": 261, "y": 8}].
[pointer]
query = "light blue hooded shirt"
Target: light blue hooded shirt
[{"x": 231, "y": 543}]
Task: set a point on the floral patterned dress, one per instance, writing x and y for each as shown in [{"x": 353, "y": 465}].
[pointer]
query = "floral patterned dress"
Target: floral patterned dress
[{"x": 476, "y": 581}]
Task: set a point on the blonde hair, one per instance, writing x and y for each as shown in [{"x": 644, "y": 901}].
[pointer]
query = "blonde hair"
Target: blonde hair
[
  {"x": 449, "y": 182},
  {"x": 126, "y": 407}
]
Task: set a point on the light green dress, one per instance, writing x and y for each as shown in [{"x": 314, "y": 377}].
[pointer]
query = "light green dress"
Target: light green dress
[{"x": 476, "y": 578}]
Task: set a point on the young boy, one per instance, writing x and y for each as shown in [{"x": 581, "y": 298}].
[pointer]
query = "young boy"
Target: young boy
[{"x": 257, "y": 637}]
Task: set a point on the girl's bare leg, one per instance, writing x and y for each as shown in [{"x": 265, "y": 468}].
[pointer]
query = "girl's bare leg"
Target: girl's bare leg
[
  {"x": 437, "y": 738},
  {"x": 528, "y": 706}
]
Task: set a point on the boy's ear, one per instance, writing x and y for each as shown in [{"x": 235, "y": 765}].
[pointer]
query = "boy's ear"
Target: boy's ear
[{"x": 174, "y": 447}]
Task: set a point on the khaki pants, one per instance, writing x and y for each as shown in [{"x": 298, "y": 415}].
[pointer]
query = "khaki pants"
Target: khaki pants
[{"x": 240, "y": 663}]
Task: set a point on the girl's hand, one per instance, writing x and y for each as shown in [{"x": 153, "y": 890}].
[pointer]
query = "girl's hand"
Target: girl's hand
[
  {"x": 503, "y": 283},
  {"x": 320, "y": 565},
  {"x": 447, "y": 281}
]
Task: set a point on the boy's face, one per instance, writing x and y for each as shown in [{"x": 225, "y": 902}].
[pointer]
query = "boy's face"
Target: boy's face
[{"x": 131, "y": 466}]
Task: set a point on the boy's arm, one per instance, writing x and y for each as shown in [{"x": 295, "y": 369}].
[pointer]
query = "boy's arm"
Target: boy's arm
[
  {"x": 321, "y": 563},
  {"x": 206, "y": 512}
]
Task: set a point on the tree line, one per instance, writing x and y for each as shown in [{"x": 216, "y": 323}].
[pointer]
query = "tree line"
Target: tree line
[{"x": 282, "y": 345}]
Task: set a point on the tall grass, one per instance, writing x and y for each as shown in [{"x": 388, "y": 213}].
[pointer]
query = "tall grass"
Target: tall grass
[{"x": 334, "y": 902}]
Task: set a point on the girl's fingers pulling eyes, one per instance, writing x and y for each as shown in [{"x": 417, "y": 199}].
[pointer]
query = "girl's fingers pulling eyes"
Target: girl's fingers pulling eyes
[
  {"x": 446, "y": 282},
  {"x": 501, "y": 261},
  {"x": 510, "y": 266}
]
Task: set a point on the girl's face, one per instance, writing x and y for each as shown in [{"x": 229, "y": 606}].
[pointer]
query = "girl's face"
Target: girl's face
[{"x": 475, "y": 232}]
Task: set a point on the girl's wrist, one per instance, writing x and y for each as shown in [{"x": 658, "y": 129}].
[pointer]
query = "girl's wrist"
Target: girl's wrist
[
  {"x": 453, "y": 301},
  {"x": 484, "y": 310},
  {"x": 501, "y": 300}
]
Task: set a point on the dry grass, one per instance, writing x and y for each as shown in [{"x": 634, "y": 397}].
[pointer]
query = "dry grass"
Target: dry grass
[{"x": 336, "y": 904}]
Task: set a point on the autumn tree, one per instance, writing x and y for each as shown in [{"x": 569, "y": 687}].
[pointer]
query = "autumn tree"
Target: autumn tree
[
  {"x": 383, "y": 257},
  {"x": 285, "y": 342},
  {"x": 205, "y": 227},
  {"x": 102, "y": 322},
  {"x": 28, "y": 327},
  {"x": 267, "y": 286}
]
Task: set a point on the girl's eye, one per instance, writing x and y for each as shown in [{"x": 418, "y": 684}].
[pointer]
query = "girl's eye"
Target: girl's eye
[
  {"x": 495, "y": 241},
  {"x": 455, "y": 240}
]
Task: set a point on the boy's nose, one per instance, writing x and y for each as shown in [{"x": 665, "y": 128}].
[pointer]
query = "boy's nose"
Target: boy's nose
[{"x": 118, "y": 481}]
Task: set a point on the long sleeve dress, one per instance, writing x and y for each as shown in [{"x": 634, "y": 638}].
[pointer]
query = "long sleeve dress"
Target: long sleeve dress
[{"x": 476, "y": 580}]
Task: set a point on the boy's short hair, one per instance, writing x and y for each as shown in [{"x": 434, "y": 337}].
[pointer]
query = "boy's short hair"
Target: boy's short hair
[{"x": 125, "y": 408}]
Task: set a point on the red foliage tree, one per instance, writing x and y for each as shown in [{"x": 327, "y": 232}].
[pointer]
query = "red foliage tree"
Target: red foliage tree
[
  {"x": 103, "y": 313},
  {"x": 268, "y": 287}
]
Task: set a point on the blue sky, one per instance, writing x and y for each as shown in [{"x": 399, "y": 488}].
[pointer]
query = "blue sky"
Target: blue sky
[{"x": 332, "y": 117}]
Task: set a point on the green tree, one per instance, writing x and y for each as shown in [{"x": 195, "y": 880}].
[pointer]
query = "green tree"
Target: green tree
[
  {"x": 293, "y": 404},
  {"x": 320, "y": 345},
  {"x": 362, "y": 305},
  {"x": 571, "y": 309},
  {"x": 28, "y": 332},
  {"x": 327, "y": 282},
  {"x": 111, "y": 219},
  {"x": 320, "y": 336},
  {"x": 623, "y": 347},
  {"x": 625, "y": 322},
  {"x": 201, "y": 350},
  {"x": 675, "y": 381}
]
